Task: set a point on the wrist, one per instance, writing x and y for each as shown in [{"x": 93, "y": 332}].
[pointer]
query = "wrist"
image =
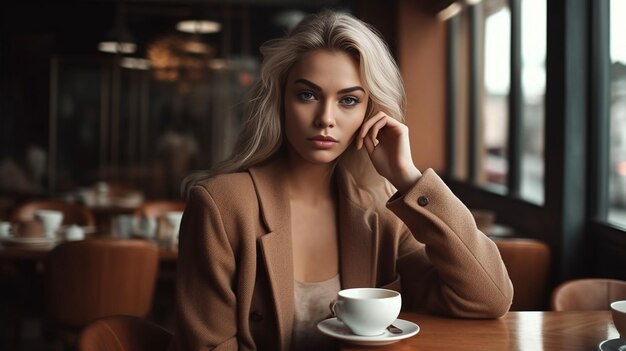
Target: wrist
[{"x": 406, "y": 179}]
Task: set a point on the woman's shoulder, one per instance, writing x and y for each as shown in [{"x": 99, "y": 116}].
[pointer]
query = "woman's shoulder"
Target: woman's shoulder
[{"x": 224, "y": 187}]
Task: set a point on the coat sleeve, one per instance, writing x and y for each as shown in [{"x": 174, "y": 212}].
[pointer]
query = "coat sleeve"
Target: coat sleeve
[
  {"x": 205, "y": 298},
  {"x": 458, "y": 271}
]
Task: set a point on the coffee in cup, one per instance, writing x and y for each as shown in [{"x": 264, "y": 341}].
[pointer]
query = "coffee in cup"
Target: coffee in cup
[
  {"x": 367, "y": 311},
  {"x": 618, "y": 312}
]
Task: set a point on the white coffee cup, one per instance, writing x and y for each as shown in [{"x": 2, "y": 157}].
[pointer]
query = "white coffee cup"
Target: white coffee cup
[
  {"x": 74, "y": 232},
  {"x": 174, "y": 218},
  {"x": 147, "y": 227},
  {"x": 618, "y": 312},
  {"x": 51, "y": 221},
  {"x": 5, "y": 229},
  {"x": 367, "y": 311},
  {"x": 123, "y": 225}
]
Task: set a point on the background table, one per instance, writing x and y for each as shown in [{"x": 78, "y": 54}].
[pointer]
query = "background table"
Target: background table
[{"x": 528, "y": 331}]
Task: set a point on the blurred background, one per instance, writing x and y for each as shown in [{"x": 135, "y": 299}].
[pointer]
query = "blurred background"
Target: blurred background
[{"x": 128, "y": 92}]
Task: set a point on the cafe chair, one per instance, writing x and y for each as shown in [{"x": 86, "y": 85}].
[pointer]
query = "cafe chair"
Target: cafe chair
[
  {"x": 94, "y": 278},
  {"x": 587, "y": 294},
  {"x": 157, "y": 208},
  {"x": 72, "y": 213},
  {"x": 123, "y": 333},
  {"x": 528, "y": 264}
]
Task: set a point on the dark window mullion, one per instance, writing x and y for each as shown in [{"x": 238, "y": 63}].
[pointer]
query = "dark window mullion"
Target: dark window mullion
[
  {"x": 475, "y": 90},
  {"x": 515, "y": 102},
  {"x": 599, "y": 110},
  {"x": 452, "y": 95}
]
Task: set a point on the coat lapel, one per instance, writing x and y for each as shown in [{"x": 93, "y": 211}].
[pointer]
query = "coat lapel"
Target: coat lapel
[{"x": 276, "y": 245}]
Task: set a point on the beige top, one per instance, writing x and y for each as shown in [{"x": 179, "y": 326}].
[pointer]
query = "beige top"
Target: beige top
[{"x": 311, "y": 307}]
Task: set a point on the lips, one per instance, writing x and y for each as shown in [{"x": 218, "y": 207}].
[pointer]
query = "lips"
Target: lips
[
  {"x": 323, "y": 138},
  {"x": 323, "y": 142}
]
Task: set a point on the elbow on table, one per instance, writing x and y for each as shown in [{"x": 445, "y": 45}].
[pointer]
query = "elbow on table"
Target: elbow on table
[
  {"x": 491, "y": 307},
  {"x": 498, "y": 306}
]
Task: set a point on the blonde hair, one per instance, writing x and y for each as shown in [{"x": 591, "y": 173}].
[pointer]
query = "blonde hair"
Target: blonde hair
[{"x": 261, "y": 136}]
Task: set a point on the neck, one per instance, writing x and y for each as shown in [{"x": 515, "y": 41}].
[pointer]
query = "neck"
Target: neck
[{"x": 309, "y": 182}]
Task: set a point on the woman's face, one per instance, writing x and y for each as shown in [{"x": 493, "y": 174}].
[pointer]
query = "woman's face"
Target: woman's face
[{"x": 325, "y": 104}]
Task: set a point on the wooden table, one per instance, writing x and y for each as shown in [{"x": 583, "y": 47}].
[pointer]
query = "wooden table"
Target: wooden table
[{"x": 532, "y": 331}]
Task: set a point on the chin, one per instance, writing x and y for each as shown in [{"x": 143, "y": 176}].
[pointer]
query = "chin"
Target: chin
[{"x": 319, "y": 157}]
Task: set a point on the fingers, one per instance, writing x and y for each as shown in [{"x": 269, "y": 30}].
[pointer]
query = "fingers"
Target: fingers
[
  {"x": 370, "y": 145},
  {"x": 366, "y": 127},
  {"x": 372, "y": 127}
]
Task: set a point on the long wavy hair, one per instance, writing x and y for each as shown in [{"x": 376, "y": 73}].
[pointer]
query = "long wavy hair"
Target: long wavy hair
[{"x": 261, "y": 136}]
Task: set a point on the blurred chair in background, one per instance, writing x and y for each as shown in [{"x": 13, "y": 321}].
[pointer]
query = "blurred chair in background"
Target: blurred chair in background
[
  {"x": 90, "y": 279},
  {"x": 587, "y": 294},
  {"x": 72, "y": 213},
  {"x": 123, "y": 333},
  {"x": 528, "y": 264}
]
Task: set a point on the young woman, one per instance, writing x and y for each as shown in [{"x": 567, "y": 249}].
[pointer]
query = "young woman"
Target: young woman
[{"x": 304, "y": 207}]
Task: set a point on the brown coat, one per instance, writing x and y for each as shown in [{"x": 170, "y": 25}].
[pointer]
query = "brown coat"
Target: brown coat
[{"x": 235, "y": 277}]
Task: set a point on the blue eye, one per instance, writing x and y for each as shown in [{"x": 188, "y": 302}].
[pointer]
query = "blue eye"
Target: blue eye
[
  {"x": 350, "y": 101},
  {"x": 306, "y": 95}
]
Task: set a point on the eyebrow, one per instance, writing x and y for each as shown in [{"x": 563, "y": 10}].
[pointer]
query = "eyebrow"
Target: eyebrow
[{"x": 317, "y": 88}]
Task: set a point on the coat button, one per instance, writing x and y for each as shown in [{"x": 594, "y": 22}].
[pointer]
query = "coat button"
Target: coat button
[
  {"x": 256, "y": 317},
  {"x": 422, "y": 201}
]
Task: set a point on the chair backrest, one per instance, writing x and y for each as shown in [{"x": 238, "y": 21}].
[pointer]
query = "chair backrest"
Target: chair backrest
[
  {"x": 528, "y": 264},
  {"x": 72, "y": 213},
  {"x": 123, "y": 333},
  {"x": 157, "y": 208},
  {"x": 587, "y": 294},
  {"x": 94, "y": 278}
]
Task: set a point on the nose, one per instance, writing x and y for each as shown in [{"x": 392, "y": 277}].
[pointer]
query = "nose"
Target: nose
[{"x": 325, "y": 117}]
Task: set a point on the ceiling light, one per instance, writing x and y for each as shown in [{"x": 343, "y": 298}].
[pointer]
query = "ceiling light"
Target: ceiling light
[
  {"x": 135, "y": 63},
  {"x": 118, "y": 39},
  {"x": 116, "y": 47},
  {"x": 198, "y": 26}
]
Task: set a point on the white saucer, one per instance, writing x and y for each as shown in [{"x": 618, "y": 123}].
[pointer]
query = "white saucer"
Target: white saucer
[
  {"x": 612, "y": 345},
  {"x": 29, "y": 241},
  {"x": 337, "y": 329}
]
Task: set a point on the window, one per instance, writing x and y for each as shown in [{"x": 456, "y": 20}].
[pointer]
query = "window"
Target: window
[
  {"x": 533, "y": 79},
  {"x": 496, "y": 85},
  {"x": 563, "y": 149},
  {"x": 617, "y": 115},
  {"x": 507, "y": 84}
]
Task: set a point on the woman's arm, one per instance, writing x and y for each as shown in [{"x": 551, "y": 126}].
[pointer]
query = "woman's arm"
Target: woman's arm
[
  {"x": 460, "y": 271},
  {"x": 205, "y": 302}
]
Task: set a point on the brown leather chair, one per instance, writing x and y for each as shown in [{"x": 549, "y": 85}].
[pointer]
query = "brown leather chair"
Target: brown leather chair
[
  {"x": 587, "y": 294},
  {"x": 123, "y": 333},
  {"x": 94, "y": 278},
  {"x": 72, "y": 213},
  {"x": 157, "y": 208},
  {"x": 528, "y": 264}
]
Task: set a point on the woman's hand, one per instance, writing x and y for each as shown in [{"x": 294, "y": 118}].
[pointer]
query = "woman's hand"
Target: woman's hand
[{"x": 387, "y": 143}]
